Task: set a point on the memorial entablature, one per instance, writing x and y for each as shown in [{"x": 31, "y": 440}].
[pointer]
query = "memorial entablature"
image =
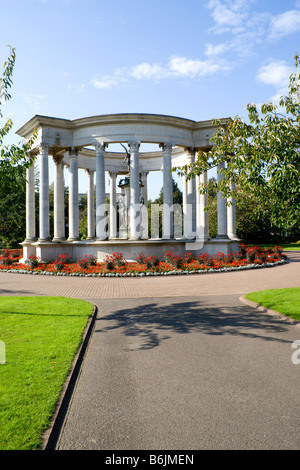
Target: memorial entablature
[{"x": 90, "y": 144}]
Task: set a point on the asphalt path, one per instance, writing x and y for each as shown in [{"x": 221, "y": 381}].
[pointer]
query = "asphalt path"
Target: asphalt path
[{"x": 180, "y": 362}]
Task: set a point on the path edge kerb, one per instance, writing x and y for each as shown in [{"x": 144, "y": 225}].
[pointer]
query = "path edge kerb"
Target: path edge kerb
[
  {"x": 51, "y": 435},
  {"x": 273, "y": 313}
]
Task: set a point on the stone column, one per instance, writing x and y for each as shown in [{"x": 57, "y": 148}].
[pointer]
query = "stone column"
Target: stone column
[
  {"x": 100, "y": 192},
  {"x": 113, "y": 205},
  {"x": 191, "y": 209},
  {"x": 167, "y": 230},
  {"x": 90, "y": 206},
  {"x": 144, "y": 206},
  {"x": 184, "y": 206},
  {"x": 30, "y": 201},
  {"x": 201, "y": 214},
  {"x": 231, "y": 217},
  {"x": 221, "y": 207},
  {"x": 134, "y": 209},
  {"x": 44, "y": 234},
  {"x": 73, "y": 197},
  {"x": 59, "y": 199}
]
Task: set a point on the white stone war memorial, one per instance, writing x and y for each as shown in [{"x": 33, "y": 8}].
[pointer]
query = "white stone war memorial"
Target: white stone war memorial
[{"x": 121, "y": 225}]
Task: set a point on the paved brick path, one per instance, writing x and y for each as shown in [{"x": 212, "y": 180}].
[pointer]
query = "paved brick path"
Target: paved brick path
[{"x": 237, "y": 282}]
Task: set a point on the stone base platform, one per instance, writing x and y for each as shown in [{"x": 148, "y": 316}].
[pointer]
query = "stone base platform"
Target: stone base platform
[{"x": 49, "y": 251}]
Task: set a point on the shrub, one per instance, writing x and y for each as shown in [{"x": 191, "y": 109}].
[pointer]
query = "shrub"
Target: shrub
[
  {"x": 243, "y": 250},
  {"x": 221, "y": 258},
  {"x": 174, "y": 259},
  {"x": 278, "y": 250},
  {"x": 8, "y": 256},
  {"x": 87, "y": 261},
  {"x": 109, "y": 263},
  {"x": 178, "y": 262},
  {"x": 250, "y": 256},
  {"x": 6, "y": 261},
  {"x": 148, "y": 263},
  {"x": 116, "y": 260},
  {"x": 13, "y": 253},
  {"x": 58, "y": 265},
  {"x": 5, "y": 254},
  {"x": 155, "y": 261},
  {"x": 152, "y": 262},
  {"x": 93, "y": 260},
  {"x": 61, "y": 261},
  {"x": 33, "y": 261},
  {"x": 230, "y": 258},
  {"x": 141, "y": 258},
  {"x": 169, "y": 256},
  {"x": 17, "y": 253},
  {"x": 189, "y": 257},
  {"x": 84, "y": 263},
  {"x": 263, "y": 257},
  {"x": 209, "y": 261},
  {"x": 203, "y": 257}
]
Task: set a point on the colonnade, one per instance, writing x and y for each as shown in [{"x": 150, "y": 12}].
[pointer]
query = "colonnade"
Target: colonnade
[{"x": 195, "y": 217}]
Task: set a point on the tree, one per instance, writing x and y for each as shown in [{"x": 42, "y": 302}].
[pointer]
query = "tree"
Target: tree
[
  {"x": 253, "y": 229},
  {"x": 12, "y": 204},
  {"x": 249, "y": 228},
  {"x": 177, "y": 195},
  {"x": 177, "y": 200},
  {"x": 262, "y": 158},
  {"x": 83, "y": 217},
  {"x": 13, "y": 164}
]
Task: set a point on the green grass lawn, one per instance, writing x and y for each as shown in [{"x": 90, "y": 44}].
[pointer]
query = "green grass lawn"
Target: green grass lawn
[
  {"x": 285, "y": 301},
  {"x": 287, "y": 246},
  {"x": 41, "y": 337}
]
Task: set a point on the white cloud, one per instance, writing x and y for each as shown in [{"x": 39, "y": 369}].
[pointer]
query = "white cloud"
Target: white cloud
[
  {"x": 275, "y": 73},
  {"x": 181, "y": 66},
  {"x": 235, "y": 16},
  {"x": 212, "y": 50},
  {"x": 147, "y": 71},
  {"x": 285, "y": 24},
  {"x": 108, "y": 81},
  {"x": 176, "y": 67},
  {"x": 228, "y": 14},
  {"x": 246, "y": 28}
]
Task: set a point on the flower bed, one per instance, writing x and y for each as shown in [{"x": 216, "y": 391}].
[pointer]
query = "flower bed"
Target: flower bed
[
  {"x": 10, "y": 256},
  {"x": 116, "y": 265}
]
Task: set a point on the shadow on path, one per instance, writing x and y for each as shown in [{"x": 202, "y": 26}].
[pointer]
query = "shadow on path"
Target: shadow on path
[
  {"x": 293, "y": 256},
  {"x": 154, "y": 322},
  {"x": 15, "y": 293}
]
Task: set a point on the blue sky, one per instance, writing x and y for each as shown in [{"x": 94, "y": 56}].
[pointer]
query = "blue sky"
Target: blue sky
[{"x": 197, "y": 59}]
